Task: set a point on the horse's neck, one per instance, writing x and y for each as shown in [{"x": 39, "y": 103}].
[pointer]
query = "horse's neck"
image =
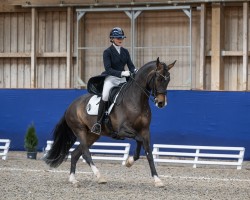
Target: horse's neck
[
  {"x": 138, "y": 89},
  {"x": 143, "y": 77}
]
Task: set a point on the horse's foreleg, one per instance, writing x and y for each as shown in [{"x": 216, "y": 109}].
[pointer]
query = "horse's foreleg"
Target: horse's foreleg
[
  {"x": 148, "y": 152},
  {"x": 130, "y": 161}
]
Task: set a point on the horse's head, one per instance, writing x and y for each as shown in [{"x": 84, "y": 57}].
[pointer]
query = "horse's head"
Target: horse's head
[{"x": 160, "y": 80}]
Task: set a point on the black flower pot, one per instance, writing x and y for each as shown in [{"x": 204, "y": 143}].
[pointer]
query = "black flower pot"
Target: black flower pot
[{"x": 31, "y": 155}]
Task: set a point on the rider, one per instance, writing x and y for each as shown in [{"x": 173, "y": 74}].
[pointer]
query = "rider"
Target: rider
[{"x": 115, "y": 58}]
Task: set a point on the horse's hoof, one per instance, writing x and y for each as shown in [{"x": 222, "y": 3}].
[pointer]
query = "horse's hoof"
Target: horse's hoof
[
  {"x": 129, "y": 162},
  {"x": 159, "y": 184},
  {"x": 73, "y": 180},
  {"x": 102, "y": 180},
  {"x": 76, "y": 184}
]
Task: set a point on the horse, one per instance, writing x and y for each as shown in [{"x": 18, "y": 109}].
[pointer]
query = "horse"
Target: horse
[{"x": 130, "y": 119}]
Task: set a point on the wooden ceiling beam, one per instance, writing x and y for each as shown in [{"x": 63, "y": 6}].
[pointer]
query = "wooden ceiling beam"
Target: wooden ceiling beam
[
  {"x": 11, "y": 8},
  {"x": 111, "y": 2}
]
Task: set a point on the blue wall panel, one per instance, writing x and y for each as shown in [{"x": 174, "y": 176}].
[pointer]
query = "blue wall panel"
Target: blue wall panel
[{"x": 191, "y": 117}]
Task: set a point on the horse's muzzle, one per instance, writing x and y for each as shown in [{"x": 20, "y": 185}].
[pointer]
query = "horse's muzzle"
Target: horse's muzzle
[{"x": 161, "y": 101}]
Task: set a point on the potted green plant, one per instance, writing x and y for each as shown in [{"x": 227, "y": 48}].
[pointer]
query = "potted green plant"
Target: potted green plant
[{"x": 31, "y": 142}]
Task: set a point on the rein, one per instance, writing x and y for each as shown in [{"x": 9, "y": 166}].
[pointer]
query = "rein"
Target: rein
[
  {"x": 154, "y": 90},
  {"x": 146, "y": 92}
]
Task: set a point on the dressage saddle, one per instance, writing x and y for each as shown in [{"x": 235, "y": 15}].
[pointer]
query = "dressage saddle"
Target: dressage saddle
[{"x": 95, "y": 86}]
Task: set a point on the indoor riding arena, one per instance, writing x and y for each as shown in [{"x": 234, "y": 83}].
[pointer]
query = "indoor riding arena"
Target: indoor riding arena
[{"x": 199, "y": 142}]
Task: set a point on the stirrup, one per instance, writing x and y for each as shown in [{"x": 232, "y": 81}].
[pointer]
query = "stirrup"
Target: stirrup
[{"x": 96, "y": 128}]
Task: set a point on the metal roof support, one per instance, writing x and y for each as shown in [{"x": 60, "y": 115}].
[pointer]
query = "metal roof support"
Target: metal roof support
[
  {"x": 133, "y": 15},
  {"x": 115, "y": 9},
  {"x": 80, "y": 14},
  {"x": 189, "y": 14},
  {"x": 77, "y": 75}
]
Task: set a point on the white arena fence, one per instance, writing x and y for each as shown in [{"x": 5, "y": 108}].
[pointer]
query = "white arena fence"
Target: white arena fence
[
  {"x": 4, "y": 148},
  {"x": 121, "y": 152},
  {"x": 199, "y": 155}
]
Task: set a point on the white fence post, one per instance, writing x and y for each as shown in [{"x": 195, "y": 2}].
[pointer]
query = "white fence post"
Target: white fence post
[
  {"x": 155, "y": 153},
  {"x": 196, "y": 157},
  {"x": 5, "y": 148},
  {"x": 126, "y": 153},
  {"x": 240, "y": 160}
]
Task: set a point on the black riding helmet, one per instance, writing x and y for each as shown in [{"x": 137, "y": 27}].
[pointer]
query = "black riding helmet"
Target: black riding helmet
[{"x": 116, "y": 32}]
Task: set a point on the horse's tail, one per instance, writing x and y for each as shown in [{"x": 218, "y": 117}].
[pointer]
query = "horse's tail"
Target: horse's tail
[{"x": 64, "y": 139}]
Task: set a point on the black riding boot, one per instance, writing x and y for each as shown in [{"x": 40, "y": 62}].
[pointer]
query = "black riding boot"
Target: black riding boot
[{"x": 97, "y": 127}]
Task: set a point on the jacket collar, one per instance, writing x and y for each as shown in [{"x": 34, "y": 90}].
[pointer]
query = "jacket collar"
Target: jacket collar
[
  {"x": 114, "y": 51},
  {"x": 122, "y": 54}
]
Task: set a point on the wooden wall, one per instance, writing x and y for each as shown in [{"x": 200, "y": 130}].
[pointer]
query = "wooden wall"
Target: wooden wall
[
  {"x": 38, "y": 45},
  {"x": 234, "y": 48},
  {"x": 16, "y": 42},
  {"x": 51, "y": 37}
]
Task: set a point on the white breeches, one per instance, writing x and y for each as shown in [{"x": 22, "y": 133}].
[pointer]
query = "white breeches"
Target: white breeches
[{"x": 109, "y": 82}]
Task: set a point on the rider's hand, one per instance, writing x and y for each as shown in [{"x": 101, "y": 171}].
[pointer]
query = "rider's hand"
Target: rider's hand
[{"x": 125, "y": 73}]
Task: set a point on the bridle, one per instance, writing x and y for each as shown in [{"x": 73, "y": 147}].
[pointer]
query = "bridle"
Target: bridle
[{"x": 154, "y": 91}]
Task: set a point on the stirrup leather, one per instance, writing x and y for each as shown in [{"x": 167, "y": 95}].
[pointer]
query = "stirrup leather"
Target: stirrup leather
[{"x": 96, "y": 128}]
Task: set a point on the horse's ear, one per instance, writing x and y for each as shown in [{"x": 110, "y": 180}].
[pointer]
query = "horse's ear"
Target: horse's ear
[
  {"x": 171, "y": 65},
  {"x": 157, "y": 63}
]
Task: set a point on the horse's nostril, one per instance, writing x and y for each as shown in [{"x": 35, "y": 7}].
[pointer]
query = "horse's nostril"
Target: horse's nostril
[{"x": 160, "y": 104}]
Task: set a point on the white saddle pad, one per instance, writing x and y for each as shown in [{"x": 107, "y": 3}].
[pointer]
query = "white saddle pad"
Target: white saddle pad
[{"x": 93, "y": 105}]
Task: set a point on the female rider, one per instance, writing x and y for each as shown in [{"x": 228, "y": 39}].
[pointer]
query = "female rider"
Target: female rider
[{"x": 115, "y": 58}]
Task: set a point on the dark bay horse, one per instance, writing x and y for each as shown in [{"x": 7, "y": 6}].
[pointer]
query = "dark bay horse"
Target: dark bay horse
[{"x": 131, "y": 119}]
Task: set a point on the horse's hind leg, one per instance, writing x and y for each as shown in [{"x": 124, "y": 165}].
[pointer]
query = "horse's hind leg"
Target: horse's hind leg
[
  {"x": 83, "y": 149},
  {"x": 75, "y": 155},
  {"x": 87, "y": 156}
]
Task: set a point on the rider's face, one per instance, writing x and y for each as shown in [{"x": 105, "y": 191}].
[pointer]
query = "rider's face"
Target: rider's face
[{"x": 118, "y": 41}]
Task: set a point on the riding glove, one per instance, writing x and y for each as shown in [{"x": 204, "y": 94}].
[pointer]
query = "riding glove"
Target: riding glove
[{"x": 125, "y": 73}]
